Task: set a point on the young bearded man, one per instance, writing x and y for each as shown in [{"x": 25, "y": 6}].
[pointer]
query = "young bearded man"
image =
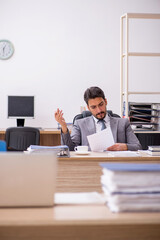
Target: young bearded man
[{"x": 123, "y": 135}]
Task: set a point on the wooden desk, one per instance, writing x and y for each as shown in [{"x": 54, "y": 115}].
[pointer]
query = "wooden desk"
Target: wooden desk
[
  {"x": 82, "y": 173},
  {"x": 48, "y": 137},
  {"x": 77, "y": 222},
  {"x": 2, "y": 134}
]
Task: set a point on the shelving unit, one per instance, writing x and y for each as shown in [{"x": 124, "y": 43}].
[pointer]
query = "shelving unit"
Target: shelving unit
[
  {"x": 144, "y": 116},
  {"x": 124, "y": 77}
]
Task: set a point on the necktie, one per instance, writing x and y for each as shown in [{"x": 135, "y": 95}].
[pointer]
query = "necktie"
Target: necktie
[{"x": 102, "y": 123}]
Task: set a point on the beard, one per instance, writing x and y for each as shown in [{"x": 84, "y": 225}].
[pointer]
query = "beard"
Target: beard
[{"x": 100, "y": 115}]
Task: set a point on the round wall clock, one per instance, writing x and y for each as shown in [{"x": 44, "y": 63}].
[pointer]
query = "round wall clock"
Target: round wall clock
[{"x": 6, "y": 49}]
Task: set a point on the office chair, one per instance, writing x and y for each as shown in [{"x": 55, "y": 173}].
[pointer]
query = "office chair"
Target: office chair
[
  {"x": 88, "y": 113},
  {"x": 20, "y": 138}
]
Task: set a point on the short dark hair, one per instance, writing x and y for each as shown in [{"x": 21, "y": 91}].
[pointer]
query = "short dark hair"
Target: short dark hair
[{"x": 93, "y": 92}]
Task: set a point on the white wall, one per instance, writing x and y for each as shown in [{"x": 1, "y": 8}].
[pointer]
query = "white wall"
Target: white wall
[{"x": 64, "y": 46}]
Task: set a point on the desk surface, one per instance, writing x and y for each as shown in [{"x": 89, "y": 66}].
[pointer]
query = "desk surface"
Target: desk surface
[
  {"x": 77, "y": 222},
  {"x": 105, "y": 156}
]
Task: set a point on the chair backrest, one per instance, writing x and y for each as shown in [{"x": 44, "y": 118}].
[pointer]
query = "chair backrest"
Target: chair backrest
[
  {"x": 88, "y": 113},
  {"x": 20, "y": 138}
]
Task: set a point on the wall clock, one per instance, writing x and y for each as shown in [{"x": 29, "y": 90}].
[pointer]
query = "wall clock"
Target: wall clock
[{"x": 6, "y": 49}]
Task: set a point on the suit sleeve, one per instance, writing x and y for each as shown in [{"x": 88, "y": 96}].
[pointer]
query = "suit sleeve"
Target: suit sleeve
[
  {"x": 73, "y": 139},
  {"x": 133, "y": 143}
]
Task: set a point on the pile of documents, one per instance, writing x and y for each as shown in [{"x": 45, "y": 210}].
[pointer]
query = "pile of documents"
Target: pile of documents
[
  {"x": 154, "y": 150},
  {"x": 131, "y": 186},
  {"x": 62, "y": 150}
]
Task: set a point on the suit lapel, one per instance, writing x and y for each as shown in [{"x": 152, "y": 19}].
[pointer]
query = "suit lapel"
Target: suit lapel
[
  {"x": 90, "y": 125},
  {"x": 113, "y": 125}
]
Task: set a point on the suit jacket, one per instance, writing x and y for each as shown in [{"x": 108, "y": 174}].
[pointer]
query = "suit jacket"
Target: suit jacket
[{"x": 121, "y": 130}]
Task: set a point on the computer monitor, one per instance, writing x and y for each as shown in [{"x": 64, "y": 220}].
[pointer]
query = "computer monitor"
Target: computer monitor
[{"x": 20, "y": 107}]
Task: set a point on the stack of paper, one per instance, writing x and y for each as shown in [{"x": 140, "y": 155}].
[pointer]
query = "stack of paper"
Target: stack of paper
[
  {"x": 62, "y": 150},
  {"x": 131, "y": 186},
  {"x": 79, "y": 198},
  {"x": 154, "y": 150}
]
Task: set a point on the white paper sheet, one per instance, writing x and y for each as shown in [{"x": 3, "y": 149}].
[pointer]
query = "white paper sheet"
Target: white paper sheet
[
  {"x": 101, "y": 141},
  {"x": 124, "y": 153},
  {"x": 79, "y": 198}
]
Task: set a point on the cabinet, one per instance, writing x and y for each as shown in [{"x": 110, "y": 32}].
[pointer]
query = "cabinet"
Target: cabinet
[{"x": 124, "y": 60}]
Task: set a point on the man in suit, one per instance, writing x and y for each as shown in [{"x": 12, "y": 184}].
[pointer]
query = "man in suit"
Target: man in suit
[{"x": 123, "y": 134}]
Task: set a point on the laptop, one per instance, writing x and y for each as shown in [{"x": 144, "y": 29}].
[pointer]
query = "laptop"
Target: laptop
[{"x": 27, "y": 180}]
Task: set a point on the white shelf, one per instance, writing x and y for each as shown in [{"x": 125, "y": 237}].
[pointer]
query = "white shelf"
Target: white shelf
[
  {"x": 142, "y": 54},
  {"x": 124, "y": 76},
  {"x": 141, "y": 15},
  {"x": 141, "y": 93}
]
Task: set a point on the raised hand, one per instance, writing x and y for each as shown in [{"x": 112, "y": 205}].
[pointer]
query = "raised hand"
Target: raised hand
[{"x": 60, "y": 119}]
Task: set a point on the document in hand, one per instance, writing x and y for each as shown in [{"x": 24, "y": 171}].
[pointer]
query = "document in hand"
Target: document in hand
[
  {"x": 101, "y": 141},
  {"x": 62, "y": 150},
  {"x": 131, "y": 186}
]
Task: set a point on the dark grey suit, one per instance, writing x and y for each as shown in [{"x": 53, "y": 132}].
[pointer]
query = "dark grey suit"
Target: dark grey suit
[{"x": 121, "y": 130}]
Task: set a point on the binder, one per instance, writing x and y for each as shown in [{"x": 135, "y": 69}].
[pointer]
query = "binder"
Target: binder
[{"x": 131, "y": 167}]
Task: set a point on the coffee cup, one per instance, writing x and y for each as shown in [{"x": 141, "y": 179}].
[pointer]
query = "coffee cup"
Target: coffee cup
[{"x": 81, "y": 149}]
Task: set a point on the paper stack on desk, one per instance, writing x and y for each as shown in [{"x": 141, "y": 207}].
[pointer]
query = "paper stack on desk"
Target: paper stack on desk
[
  {"x": 154, "y": 150},
  {"x": 131, "y": 186},
  {"x": 62, "y": 150}
]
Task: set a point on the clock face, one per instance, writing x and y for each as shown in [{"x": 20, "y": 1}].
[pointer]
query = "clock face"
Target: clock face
[{"x": 6, "y": 49}]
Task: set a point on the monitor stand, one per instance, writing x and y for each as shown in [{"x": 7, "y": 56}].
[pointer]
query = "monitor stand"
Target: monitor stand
[{"x": 20, "y": 122}]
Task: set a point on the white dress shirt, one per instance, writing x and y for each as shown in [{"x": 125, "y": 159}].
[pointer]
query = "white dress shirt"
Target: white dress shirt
[{"x": 99, "y": 124}]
